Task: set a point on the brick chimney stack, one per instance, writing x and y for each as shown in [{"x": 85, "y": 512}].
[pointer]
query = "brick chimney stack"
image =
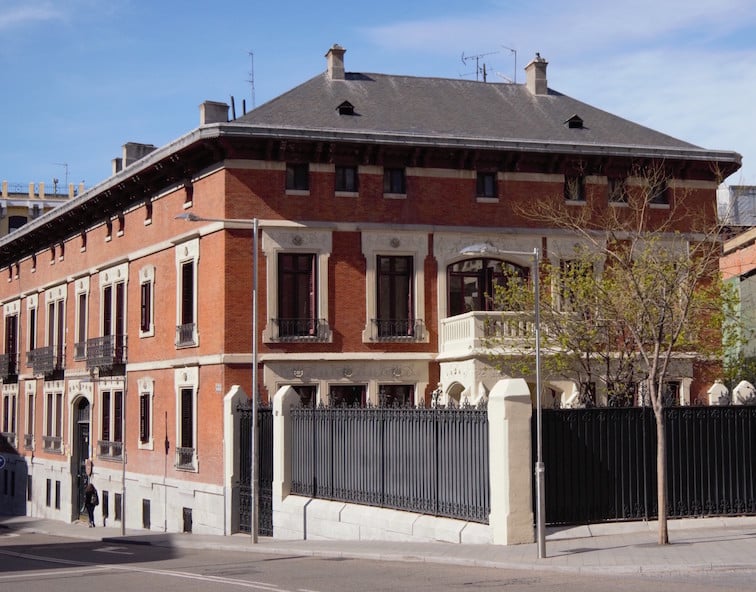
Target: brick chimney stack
[
  {"x": 335, "y": 57},
  {"x": 535, "y": 76}
]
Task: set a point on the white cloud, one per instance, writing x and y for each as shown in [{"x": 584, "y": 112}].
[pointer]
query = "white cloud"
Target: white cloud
[{"x": 24, "y": 13}]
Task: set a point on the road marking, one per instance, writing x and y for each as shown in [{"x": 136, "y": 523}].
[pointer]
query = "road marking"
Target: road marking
[{"x": 114, "y": 550}]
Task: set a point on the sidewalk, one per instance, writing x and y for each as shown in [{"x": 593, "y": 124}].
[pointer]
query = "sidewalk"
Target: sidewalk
[{"x": 620, "y": 548}]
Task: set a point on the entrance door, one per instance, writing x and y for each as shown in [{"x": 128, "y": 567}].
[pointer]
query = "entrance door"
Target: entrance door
[{"x": 80, "y": 455}]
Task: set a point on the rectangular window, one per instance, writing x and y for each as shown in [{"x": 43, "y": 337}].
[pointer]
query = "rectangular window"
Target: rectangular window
[
  {"x": 659, "y": 193},
  {"x": 486, "y": 185},
  {"x": 617, "y": 190},
  {"x": 32, "y": 333},
  {"x": 347, "y": 179},
  {"x": 298, "y": 176},
  {"x": 111, "y": 423},
  {"x": 394, "y": 181},
  {"x": 9, "y": 416},
  {"x": 80, "y": 347},
  {"x": 574, "y": 188},
  {"x": 53, "y": 422},
  {"x": 145, "y": 307},
  {"x": 145, "y": 416},
  {"x": 187, "y": 293},
  {"x": 395, "y": 300},
  {"x": 187, "y": 256},
  {"x": 48, "y": 492},
  {"x": 29, "y": 435},
  {"x": 185, "y": 452},
  {"x": 10, "y": 366},
  {"x": 56, "y": 318},
  {"x": 297, "y": 295}
]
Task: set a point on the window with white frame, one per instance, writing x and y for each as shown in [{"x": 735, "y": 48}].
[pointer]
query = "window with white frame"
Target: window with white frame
[
  {"x": 31, "y": 328},
  {"x": 52, "y": 358},
  {"x": 394, "y": 283},
  {"x": 186, "y": 383},
  {"x": 53, "y": 435},
  {"x": 146, "y": 396},
  {"x": 187, "y": 255},
  {"x": 147, "y": 301},
  {"x": 30, "y": 392},
  {"x": 297, "y": 296},
  {"x": 112, "y": 343},
  {"x": 110, "y": 442},
  {"x": 9, "y": 410},
  {"x": 82, "y": 314},
  {"x": 9, "y": 357}
]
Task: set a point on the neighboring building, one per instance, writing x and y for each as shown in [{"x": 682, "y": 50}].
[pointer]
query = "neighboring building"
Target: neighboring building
[
  {"x": 738, "y": 266},
  {"x": 127, "y": 327},
  {"x": 19, "y": 204},
  {"x": 737, "y": 205}
]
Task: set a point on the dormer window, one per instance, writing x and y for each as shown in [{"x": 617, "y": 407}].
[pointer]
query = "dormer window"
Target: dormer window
[
  {"x": 346, "y": 108},
  {"x": 574, "y": 122}
]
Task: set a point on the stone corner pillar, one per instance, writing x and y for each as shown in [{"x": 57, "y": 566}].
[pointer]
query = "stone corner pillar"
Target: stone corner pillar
[{"x": 511, "y": 463}]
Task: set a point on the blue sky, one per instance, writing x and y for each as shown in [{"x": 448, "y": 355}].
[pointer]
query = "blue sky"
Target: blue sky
[{"x": 82, "y": 77}]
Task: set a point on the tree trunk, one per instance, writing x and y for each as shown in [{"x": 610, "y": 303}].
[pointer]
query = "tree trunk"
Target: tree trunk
[{"x": 661, "y": 472}]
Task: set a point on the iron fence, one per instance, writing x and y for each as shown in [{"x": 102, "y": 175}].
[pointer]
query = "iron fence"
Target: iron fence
[
  {"x": 433, "y": 461},
  {"x": 265, "y": 469}
]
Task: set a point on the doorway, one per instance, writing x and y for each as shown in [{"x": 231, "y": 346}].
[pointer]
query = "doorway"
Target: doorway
[{"x": 81, "y": 456}]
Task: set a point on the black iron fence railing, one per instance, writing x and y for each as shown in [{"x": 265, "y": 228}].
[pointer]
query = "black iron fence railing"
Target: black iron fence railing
[
  {"x": 265, "y": 469},
  {"x": 433, "y": 461},
  {"x": 398, "y": 329}
]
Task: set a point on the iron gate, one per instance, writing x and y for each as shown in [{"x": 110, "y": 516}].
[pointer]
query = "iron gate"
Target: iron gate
[
  {"x": 265, "y": 469},
  {"x": 601, "y": 463}
]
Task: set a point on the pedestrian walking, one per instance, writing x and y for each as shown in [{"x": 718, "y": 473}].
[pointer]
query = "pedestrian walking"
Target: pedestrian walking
[{"x": 91, "y": 499}]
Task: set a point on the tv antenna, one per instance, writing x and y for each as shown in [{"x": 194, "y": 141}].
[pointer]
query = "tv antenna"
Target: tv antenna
[
  {"x": 252, "y": 75},
  {"x": 514, "y": 52},
  {"x": 65, "y": 166},
  {"x": 478, "y": 69}
]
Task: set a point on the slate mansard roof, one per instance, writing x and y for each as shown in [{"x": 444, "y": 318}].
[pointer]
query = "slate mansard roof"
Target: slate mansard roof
[{"x": 415, "y": 107}]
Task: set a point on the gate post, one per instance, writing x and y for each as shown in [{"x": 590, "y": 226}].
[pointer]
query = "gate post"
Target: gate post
[
  {"x": 284, "y": 399},
  {"x": 510, "y": 459}
]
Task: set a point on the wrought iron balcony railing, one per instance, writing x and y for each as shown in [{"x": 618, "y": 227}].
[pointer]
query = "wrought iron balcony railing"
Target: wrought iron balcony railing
[
  {"x": 185, "y": 458},
  {"x": 301, "y": 329},
  {"x": 47, "y": 360},
  {"x": 52, "y": 443},
  {"x": 186, "y": 335},
  {"x": 110, "y": 450},
  {"x": 398, "y": 329},
  {"x": 106, "y": 351},
  {"x": 8, "y": 366}
]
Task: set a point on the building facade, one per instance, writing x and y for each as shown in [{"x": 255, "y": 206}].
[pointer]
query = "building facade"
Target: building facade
[{"x": 128, "y": 329}]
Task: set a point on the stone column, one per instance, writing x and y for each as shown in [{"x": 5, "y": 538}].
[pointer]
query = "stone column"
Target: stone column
[
  {"x": 284, "y": 399},
  {"x": 511, "y": 463}
]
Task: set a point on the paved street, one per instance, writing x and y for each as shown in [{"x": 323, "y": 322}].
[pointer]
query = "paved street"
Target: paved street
[{"x": 710, "y": 554}]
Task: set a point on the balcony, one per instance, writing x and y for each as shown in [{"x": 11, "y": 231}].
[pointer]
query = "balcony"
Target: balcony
[
  {"x": 52, "y": 444},
  {"x": 186, "y": 335},
  {"x": 301, "y": 330},
  {"x": 464, "y": 334},
  {"x": 28, "y": 441},
  {"x": 185, "y": 459},
  {"x": 47, "y": 361},
  {"x": 9, "y": 438},
  {"x": 9, "y": 367},
  {"x": 401, "y": 330},
  {"x": 109, "y": 450},
  {"x": 106, "y": 352}
]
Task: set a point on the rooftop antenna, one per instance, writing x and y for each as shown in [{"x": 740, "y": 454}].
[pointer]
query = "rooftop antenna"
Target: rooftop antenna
[
  {"x": 65, "y": 166},
  {"x": 514, "y": 51},
  {"x": 252, "y": 76},
  {"x": 478, "y": 69}
]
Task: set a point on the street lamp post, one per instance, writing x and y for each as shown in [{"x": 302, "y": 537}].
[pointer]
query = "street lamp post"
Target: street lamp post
[
  {"x": 540, "y": 469},
  {"x": 253, "y": 448}
]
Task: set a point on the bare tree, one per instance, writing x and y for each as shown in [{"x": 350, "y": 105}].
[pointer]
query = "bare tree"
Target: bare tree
[{"x": 643, "y": 289}]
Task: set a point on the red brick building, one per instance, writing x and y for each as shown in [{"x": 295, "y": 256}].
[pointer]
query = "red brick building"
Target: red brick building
[{"x": 127, "y": 327}]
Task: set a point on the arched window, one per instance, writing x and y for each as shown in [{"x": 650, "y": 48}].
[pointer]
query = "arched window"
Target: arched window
[{"x": 472, "y": 281}]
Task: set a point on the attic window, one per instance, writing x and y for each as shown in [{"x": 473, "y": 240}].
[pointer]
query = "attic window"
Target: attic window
[
  {"x": 574, "y": 122},
  {"x": 346, "y": 108}
]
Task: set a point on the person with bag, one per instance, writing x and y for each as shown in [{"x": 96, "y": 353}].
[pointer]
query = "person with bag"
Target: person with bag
[{"x": 91, "y": 499}]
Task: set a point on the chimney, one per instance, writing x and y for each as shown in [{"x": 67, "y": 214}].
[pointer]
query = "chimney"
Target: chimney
[
  {"x": 213, "y": 112},
  {"x": 133, "y": 151},
  {"x": 535, "y": 76},
  {"x": 335, "y": 57}
]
